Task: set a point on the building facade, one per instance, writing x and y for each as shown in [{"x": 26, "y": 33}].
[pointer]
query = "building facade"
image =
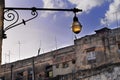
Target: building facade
[{"x": 92, "y": 57}]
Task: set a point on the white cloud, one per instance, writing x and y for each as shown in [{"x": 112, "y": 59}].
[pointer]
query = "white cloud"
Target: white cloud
[
  {"x": 112, "y": 12},
  {"x": 52, "y": 4},
  {"x": 86, "y": 5}
]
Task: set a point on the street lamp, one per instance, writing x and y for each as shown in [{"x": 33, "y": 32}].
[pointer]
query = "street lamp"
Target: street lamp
[
  {"x": 76, "y": 26},
  {"x": 10, "y": 16}
]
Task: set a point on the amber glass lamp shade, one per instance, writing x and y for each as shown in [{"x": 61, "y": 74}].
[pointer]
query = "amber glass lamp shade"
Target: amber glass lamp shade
[{"x": 76, "y": 26}]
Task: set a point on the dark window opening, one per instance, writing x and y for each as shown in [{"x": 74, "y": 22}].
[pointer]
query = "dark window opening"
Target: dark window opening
[
  {"x": 2, "y": 78},
  {"x": 19, "y": 76},
  {"x": 49, "y": 72},
  {"x": 65, "y": 65},
  {"x": 73, "y": 61},
  {"x": 30, "y": 73},
  {"x": 119, "y": 46},
  {"x": 57, "y": 65}
]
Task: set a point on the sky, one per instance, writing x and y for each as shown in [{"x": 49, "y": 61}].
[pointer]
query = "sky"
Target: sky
[{"x": 52, "y": 30}]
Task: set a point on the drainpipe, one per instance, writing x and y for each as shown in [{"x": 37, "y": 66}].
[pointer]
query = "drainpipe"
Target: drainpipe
[
  {"x": 33, "y": 67},
  {"x": 11, "y": 68}
]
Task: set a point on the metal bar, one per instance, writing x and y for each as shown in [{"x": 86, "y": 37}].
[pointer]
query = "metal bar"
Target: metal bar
[
  {"x": 11, "y": 72},
  {"x": 44, "y": 9},
  {"x": 33, "y": 68}
]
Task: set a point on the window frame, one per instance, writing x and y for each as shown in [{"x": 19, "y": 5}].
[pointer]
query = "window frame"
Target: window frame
[{"x": 65, "y": 65}]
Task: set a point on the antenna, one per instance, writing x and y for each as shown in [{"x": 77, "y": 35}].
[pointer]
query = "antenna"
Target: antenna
[
  {"x": 43, "y": 50},
  {"x": 5, "y": 58},
  {"x": 106, "y": 22},
  {"x": 39, "y": 49},
  {"x": 9, "y": 55},
  {"x": 19, "y": 45},
  {"x": 75, "y": 37},
  {"x": 55, "y": 42},
  {"x": 117, "y": 18}
]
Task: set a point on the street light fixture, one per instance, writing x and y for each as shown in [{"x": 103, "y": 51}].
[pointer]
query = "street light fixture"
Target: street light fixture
[
  {"x": 10, "y": 16},
  {"x": 76, "y": 26}
]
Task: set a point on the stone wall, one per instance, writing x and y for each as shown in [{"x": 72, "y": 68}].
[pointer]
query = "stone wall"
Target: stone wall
[
  {"x": 103, "y": 46},
  {"x": 92, "y": 57},
  {"x": 111, "y": 73},
  {"x": 63, "y": 61}
]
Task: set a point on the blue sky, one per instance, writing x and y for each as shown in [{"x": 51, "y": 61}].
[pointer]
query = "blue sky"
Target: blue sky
[{"x": 54, "y": 28}]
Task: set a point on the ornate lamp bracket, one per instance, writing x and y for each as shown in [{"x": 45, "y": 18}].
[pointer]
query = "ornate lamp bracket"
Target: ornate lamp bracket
[{"x": 11, "y": 15}]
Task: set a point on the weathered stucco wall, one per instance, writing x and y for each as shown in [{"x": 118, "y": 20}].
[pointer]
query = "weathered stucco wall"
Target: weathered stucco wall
[
  {"x": 114, "y": 74},
  {"x": 105, "y": 45}
]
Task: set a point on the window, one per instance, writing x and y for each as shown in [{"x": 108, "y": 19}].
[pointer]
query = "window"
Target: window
[
  {"x": 118, "y": 37},
  {"x": 65, "y": 65},
  {"x": 19, "y": 76},
  {"x": 58, "y": 59},
  {"x": 119, "y": 46},
  {"x": 119, "y": 50},
  {"x": 2, "y": 78},
  {"x": 73, "y": 61},
  {"x": 30, "y": 72},
  {"x": 50, "y": 73},
  {"x": 57, "y": 65},
  {"x": 91, "y": 55}
]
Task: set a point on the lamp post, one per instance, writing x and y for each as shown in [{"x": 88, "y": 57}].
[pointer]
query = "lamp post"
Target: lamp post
[
  {"x": 10, "y": 16},
  {"x": 11, "y": 68},
  {"x": 33, "y": 69}
]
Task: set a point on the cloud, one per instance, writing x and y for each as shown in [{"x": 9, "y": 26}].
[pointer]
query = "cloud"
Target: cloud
[
  {"x": 52, "y": 4},
  {"x": 86, "y": 5},
  {"x": 111, "y": 14}
]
